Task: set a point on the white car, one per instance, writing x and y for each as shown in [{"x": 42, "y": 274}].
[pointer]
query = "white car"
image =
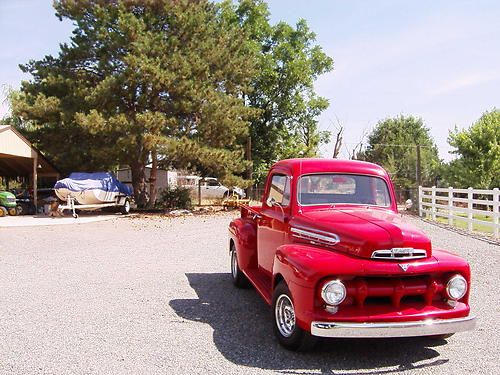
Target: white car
[{"x": 211, "y": 188}]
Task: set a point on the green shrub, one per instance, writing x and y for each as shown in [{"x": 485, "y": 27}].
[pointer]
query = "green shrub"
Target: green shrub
[{"x": 177, "y": 198}]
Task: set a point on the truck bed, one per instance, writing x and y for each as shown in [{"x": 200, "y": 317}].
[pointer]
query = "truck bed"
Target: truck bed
[{"x": 249, "y": 211}]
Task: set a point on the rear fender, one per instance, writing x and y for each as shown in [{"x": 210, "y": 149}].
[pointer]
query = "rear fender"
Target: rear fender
[{"x": 243, "y": 232}]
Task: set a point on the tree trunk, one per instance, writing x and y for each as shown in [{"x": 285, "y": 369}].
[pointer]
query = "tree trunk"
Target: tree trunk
[
  {"x": 139, "y": 183},
  {"x": 152, "y": 179},
  {"x": 338, "y": 143}
]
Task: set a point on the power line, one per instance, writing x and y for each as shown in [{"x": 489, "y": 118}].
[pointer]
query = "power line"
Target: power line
[{"x": 389, "y": 145}]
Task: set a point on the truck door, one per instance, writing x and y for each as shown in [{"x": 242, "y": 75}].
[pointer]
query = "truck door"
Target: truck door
[{"x": 272, "y": 223}]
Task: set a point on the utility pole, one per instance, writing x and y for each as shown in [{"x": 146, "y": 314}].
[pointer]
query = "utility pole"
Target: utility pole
[
  {"x": 250, "y": 166},
  {"x": 199, "y": 191},
  {"x": 152, "y": 179},
  {"x": 418, "y": 167}
]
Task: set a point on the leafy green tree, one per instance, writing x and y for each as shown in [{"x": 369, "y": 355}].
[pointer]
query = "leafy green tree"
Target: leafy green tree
[
  {"x": 289, "y": 61},
  {"x": 393, "y": 144},
  {"x": 143, "y": 78},
  {"x": 478, "y": 154}
]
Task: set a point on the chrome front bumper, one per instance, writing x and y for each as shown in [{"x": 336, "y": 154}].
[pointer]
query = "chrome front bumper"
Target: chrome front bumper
[{"x": 393, "y": 329}]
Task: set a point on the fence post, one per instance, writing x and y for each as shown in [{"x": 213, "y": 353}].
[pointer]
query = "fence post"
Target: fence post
[
  {"x": 450, "y": 205},
  {"x": 199, "y": 192},
  {"x": 470, "y": 197},
  {"x": 433, "y": 203},
  {"x": 496, "y": 212},
  {"x": 420, "y": 198}
]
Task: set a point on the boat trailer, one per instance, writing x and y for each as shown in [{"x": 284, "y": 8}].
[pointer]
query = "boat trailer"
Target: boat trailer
[{"x": 122, "y": 201}]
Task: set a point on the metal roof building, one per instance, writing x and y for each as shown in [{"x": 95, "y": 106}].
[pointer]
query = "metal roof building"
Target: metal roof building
[{"x": 18, "y": 158}]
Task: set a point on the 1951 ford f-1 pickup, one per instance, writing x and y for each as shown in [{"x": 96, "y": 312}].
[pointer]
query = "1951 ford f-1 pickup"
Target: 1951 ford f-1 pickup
[{"x": 329, "y": 251}]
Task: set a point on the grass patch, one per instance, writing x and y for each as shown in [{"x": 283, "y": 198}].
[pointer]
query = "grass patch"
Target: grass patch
[{"x": 462, "y": 224}]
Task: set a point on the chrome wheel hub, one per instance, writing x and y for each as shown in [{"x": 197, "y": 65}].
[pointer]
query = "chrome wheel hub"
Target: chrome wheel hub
[
  {"x": 234, "y": 264},
  {"x": 285, "y": 315}
]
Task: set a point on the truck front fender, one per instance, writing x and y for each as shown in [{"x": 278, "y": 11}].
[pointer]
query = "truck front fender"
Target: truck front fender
[
  {"x": 294, "y": 264},
  {"x": 305, "y": 265}
]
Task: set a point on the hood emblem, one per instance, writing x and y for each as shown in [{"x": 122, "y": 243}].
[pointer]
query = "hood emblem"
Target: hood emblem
[
  {"x": 404, "y": 267},
  {"x": 400, "y": 253}
]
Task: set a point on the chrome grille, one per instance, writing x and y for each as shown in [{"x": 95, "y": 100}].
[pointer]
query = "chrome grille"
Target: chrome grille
[
  {"x": 422, "y": 289},
  {"x": 315, "y": 237},
  {"x": 399, "y": 253}
]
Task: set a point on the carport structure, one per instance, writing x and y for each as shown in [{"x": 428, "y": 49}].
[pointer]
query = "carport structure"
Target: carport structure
[{"x": 18, "y": 158}]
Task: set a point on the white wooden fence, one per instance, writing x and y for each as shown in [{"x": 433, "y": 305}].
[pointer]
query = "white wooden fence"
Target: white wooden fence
[{"x": 461, "y": 205}]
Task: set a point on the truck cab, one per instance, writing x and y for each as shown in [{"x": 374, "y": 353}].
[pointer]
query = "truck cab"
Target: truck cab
[{"x": 329, "y": 252}]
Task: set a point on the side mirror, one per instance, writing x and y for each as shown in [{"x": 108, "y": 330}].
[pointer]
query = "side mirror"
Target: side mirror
[
  {"x": 408, "y": 204},
  {"x": 271, "y": 201}
]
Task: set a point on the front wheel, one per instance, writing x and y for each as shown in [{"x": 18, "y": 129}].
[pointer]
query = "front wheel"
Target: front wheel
[
  {"x": 3, "y": 211},
  {"x": 289, "y": 334}
]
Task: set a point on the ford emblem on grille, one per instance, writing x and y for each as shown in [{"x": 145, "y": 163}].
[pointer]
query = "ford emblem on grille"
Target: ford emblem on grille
[{"x": 404, "y": 267}]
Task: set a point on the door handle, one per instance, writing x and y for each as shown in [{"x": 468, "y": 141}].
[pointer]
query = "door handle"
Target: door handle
[{"x": 256, "y": 217}]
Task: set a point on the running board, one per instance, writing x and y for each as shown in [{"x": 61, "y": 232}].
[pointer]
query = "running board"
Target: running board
[{"x": 262, "y": 284}]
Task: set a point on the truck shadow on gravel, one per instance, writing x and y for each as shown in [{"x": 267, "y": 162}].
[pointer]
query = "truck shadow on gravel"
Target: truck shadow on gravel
[{"x": 243, "y": 334}]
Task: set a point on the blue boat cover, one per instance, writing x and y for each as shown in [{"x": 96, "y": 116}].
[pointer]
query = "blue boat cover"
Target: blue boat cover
[{"x": 79, "y": 181}]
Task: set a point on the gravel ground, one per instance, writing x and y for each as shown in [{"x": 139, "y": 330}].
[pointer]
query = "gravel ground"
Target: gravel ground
[{"x": 153, "y": 296}]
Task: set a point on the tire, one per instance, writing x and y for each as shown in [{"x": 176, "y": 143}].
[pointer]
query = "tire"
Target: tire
[
  {"x": 12, "y": 211},
  {"x": 125, "y": 209},
  {"x": 239, "y": 278},
  {"x": 3, "y": 211},
  {"x": 288, "y": 333}
]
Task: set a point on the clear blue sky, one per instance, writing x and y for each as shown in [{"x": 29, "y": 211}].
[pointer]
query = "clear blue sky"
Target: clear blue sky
[{"x": 439, "y": 60}]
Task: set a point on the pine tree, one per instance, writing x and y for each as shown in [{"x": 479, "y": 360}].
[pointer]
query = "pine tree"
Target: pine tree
[{"x": 142, "y": 78}]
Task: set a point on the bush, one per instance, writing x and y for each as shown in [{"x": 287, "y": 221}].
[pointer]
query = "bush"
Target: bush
[{"x": 177, "y": 198}]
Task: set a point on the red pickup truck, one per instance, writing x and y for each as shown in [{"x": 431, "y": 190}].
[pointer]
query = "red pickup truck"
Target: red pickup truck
[{"x": 329, "y": 252}]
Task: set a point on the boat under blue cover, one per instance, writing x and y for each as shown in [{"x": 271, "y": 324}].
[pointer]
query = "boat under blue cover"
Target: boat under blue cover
[{"x": 90, "y": 188}]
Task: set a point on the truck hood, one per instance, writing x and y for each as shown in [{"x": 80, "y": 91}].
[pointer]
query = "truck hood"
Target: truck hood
[{"x": 361, "y": 231}]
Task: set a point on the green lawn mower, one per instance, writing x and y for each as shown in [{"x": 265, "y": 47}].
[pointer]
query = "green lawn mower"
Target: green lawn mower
[{"x": 8, "y": 205}]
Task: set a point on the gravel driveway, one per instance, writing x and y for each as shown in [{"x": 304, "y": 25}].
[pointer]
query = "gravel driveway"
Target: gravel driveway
[{"x": 153, "y": 296}]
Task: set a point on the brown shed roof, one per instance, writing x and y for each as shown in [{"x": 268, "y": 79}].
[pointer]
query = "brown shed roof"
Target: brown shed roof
[{"x": 17, "y": 154}]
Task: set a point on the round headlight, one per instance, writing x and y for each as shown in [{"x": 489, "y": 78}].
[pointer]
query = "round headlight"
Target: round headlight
[
  {"x": 333, "y": 292},
  {"x": 456, "y": 287}
]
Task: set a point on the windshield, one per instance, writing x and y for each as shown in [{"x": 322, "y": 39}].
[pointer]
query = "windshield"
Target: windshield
[{"x": 321, "y": 189}]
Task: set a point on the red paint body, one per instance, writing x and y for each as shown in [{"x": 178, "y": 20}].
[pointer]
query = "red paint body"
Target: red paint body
[{"x": 377, "y": 290}]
